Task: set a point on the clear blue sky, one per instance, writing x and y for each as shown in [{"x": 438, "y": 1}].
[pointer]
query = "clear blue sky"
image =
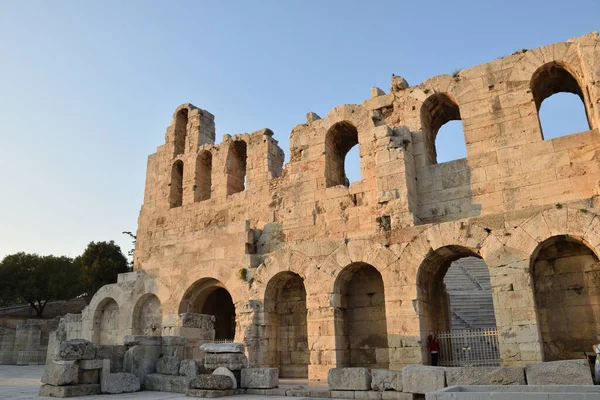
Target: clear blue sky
[{"x": 87, "y": 88}]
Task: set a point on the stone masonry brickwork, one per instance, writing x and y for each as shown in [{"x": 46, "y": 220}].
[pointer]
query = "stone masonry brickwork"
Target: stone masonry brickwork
[{"x": 313, "y": 273}]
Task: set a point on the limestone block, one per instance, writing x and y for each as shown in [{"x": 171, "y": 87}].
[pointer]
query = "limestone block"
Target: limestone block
[
  {"x": 135, "y": 340},
  {"x": 193, "y": 320},
  {"x": 568, "y": 372},
  {"x": 223, "y": 347},
  {"x": 88, "y": 376},
  {"x": 69, "y": 391},
  {"x": 385, "y": 379},
  {"x": 485, "y": 376},
  {"x": 174, "y": 341},
  {"x": 76, "y": 349},
  {"x": 120, "y": 382},
  {"x": 213, "y": 382},
  {"x": 342, "y": 394},
  {"x": 349, "y": 379},
  {"x": 231, "y": 361},
  {"x": 191, "y": 367},
  {"x": 168, "y": 365},
  {"x": 167, "y": 383},
  {"x": 91, "y": 364},
  {"x": 141, "y": 360},
  {"x": 60, "y": 373},
  {"x": 208, "y": 394},
  {"x": 422, "y": 379},
  {"x": 226, "y": 372},
  {"x": 260, "y": 378},
  {"x": 115, "y": 353},
  {"x": 367, "y": 395}
]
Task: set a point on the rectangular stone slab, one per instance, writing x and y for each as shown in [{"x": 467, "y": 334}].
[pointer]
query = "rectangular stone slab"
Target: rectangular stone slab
[
  {"x": 60, "y": 373},
  {"x": 461, "y": 376},
  {"x": 231, "y": 361},
  {"x": 260, "y": 378},
  {"x": 422, "y": 379},
  {"x": 349, "y": 379},
  {"x": 167, "y": 383},
  {"x": 69, "y": 391},
  {"x": 223, "y": 347},
  {"x": 208, "y": 394},
  {"x": 567, "y": 372}
]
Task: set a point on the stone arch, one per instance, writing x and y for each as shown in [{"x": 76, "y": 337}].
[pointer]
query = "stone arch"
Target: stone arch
[
  {"x": 552, "y": 78},
  {"x": 360, "y": 317},
  {"x": 176, "y": 185},
  {"x": 147, "y": 316},
  {"x": 203, "y": 176},
  {"x": 180, "y": 131},
  {"x": 437, "y": 110},
  {"x": 286, "y": 320},
  {"x": 106, "y": 322},
  {"x": 209, "y": 296},
  {"x": 236, "y": 166},
  {"x": 340, "y": 138},
  {"x": 566, "y": 272}
]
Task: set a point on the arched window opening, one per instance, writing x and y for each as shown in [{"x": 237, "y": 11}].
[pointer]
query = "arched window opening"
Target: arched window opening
[
  {"x": 454, "y": 294},
  {"x": 563, "y": 112},
  {"x": 181, "y": 122},
  {"x": 176, "y": 189},
  {"x": 360, "y": 319},
  {"x": 436, "y": 113},
  {"x": 287, "y": 333},
  {"x": 106, "y": 322},
  {"x": 567, "y": 296},
  {"x": 340, "y": 139},
  {"x": 236, "y": 167},
  {"x": 203, "y": 186},
  {"x": 147, "y": 316}
]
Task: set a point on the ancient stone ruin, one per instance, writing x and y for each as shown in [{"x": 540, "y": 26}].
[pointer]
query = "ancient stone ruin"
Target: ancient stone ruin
[{"x": 311, "y": 272}]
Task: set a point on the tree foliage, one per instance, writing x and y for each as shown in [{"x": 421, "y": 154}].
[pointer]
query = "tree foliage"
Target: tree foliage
[
  {"x": 38, "y": 279},
  {"x": 100, "y": 264}
]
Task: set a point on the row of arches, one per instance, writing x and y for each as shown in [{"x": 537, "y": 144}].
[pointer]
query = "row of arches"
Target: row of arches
[
  {"x": 235, "y": 169},
  {"x": 564, "y": 273}
]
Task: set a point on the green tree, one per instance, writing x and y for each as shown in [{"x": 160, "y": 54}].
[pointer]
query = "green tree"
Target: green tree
[
  {"x": 100, "y": 264},
  {"x": 39, "y": 279}
]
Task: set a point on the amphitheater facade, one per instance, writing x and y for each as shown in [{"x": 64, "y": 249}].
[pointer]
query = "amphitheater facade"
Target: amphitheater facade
[{"x": 311, "y": 272}]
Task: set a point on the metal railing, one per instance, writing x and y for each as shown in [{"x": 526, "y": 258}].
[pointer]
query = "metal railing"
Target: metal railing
[
  {"x": 469, "y": 348},
  {"x": 220, "y": 341}
]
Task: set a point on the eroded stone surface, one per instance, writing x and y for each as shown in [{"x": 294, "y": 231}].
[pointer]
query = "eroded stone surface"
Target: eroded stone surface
[
  {"x": 457, "y": 376},
  {"x": 120, "y": 382},
  {"x": 76, "y": 349},
  {"x": 223, "y": 347},
  {"x": 226, "y": 372},
  {"x": 231, "y": 361},
  {"x": 168, "y": 365},
  {"x": 211, "y": 381},
  {"x": 349, "y": 379},
  {"x": 191, "y": 367},
  {"x": 167, "y": 383},
  {"x": 385, "y": 379},
  {"x": 69, "y": 391},
  {"x": 260, "y": 378},
  {"x": 59, "y": 373},
  {"x": 568, "y": 372},
  {"x": 422, "y": 379}
]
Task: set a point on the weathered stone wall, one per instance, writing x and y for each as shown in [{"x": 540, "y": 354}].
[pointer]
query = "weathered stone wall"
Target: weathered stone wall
[{"x": 405, "y": 221}]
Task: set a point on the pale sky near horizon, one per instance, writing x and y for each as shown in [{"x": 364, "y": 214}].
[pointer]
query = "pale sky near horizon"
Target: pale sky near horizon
[{"x": 87, "y": 88}]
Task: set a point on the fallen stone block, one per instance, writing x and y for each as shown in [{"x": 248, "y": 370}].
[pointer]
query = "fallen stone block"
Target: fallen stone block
[
  {"x": 167, "y": 383},
  {"x": 91, "y": 364},
  {"x": 319, "y": 393},
  {"x": 208, "y": 394},
  {"x": 297, "y": 392},
  {"x": 462, "y": 376},
  {"x": 349, "y": 379},
  {"x": 567, "y": 372},
  {"x": 174, "y": 341},
  {"x": 141, "y": 361},
  {"x": 260, "y": 378},
  {"x": 385, "y": 379},
  {"x": 191, "y": 367},
  {"x": 213, "y": 382},
  {"x": 115, "y": 353},
  {"x": 88, "y": 376},
  {"x": 392, "y": 395},
  {"x": 168, "y": 365},
  {"x": 342, "y": 394},
  {"x": 59, "y": 373},
  {"x": 223, "y": 347},
  {"x": 231, "y": 361},
  {"x": 140, "y": 340},
  {"x": 422, "y": 379},
  {"x": 76, "y": 349},
  {"x": 226, "y": 372},
  {"x": 120, "y": 382},
  {"x": 367, "y": 395},
  {"x": 69, "y": 391}
]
